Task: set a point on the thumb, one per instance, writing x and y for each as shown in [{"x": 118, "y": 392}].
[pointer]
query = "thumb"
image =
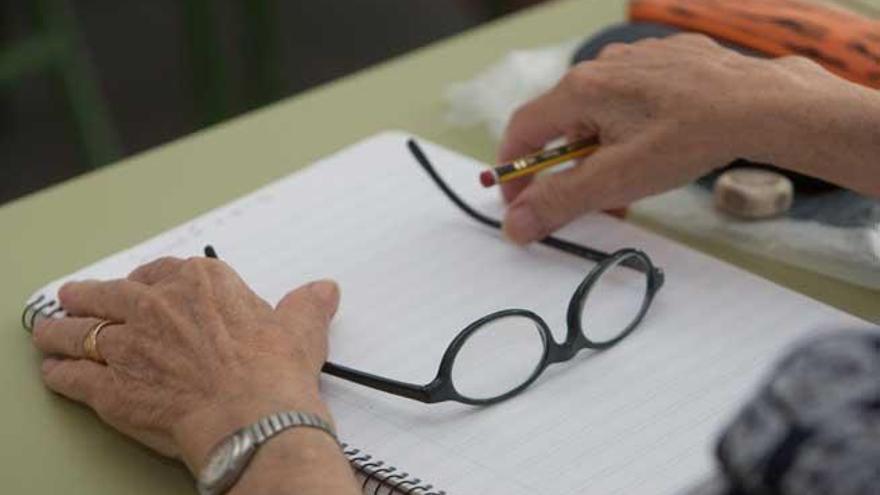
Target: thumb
[
  {"x": 553, "y": 200},
  {"x": 311, "y": 306}
]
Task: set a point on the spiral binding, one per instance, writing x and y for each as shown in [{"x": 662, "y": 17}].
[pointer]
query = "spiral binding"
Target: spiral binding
[
  {"x": 380, "y": 476},
  {"x": 39, "y": 308},
  {"x": 375, "y": 473}
]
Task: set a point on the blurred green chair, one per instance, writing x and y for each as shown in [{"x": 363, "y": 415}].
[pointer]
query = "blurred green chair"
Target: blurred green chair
[
  {"x": 213, "y": 92},
  {"x": 55, "y": 46}
]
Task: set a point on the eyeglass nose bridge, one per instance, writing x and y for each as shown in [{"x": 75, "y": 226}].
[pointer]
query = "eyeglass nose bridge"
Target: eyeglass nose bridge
[{"x": 559, "y": 353}]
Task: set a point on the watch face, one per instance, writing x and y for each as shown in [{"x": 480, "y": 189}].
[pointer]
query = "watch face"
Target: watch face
[
  {"x": 227, "y": 460},
  {"x": 219, "y": 461}
]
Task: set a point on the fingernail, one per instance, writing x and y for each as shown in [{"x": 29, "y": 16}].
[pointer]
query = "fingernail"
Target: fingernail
[
  {"x": 522, "y": 225},
  {"x": 48, "y": 364},
  {"x": 327, "y": 291}
]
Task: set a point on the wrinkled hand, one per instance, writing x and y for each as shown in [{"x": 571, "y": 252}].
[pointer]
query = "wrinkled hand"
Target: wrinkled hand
[
  {"x": 195, "y": 354},
  {"x": 665, "y": 111}
]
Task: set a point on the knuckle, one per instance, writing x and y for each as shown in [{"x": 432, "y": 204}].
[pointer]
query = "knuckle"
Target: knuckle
[
  {"x": 155, "y": 266},
  {"x": 41, "y": 332},
  {"x": 193, "y": 265},
  {"x": 647, "y": 42},
  {"x": 59, "y": 380},
  {"x": 798, "y": 61},
  {"x": 67, "y": 293},
  {"x": 193, "y": 272},
  {"x": 519, "y": 117},
  {"x": 166, "y": 261},
  {"x": 62, "y": 378},
  {"x": 616, "y": 49},
  {"x": 581, "y": 82},
  {"x": 519, "y": 113},
  {"x": 118, "y": 347},
  {"x": 49, "y": 376},
  {"x": 200, "y": 267},
  {"x": 552, "y": 203},
  {"x": 565, "y": 199},
  {"x": 49, "y": 336},
  {"x": 695, "y": 38},
  {"x": 147, "y": 302}
]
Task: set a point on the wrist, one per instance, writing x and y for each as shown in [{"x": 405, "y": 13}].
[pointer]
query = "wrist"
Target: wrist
[
  {"x": 806, "y": 119},
  {"x": 769, "y": 113},
  {"x": 198, "y": 432},
  {"x": 299, "y": 460}
]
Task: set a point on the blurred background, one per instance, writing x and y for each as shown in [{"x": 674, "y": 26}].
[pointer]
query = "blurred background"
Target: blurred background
[{"x": 86, "y": 82}]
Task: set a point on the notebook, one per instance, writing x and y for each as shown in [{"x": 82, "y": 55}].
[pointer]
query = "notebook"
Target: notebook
[{"x": 638, "y": 418}]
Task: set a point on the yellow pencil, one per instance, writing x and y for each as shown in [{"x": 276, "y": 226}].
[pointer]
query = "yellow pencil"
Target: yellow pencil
[{"x": 534, "y": 163}]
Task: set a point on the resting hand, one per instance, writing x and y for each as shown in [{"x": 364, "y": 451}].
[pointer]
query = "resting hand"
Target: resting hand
[
  {"x": 668, "y": 111},
  {"x": 195, "y": 354}
]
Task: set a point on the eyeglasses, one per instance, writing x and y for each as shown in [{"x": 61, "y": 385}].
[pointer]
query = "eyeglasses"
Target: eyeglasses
[{"x": 499, "y": 355}]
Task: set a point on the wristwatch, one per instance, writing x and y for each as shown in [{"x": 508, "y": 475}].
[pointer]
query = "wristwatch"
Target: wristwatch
[{"x": 230, "y": 457}]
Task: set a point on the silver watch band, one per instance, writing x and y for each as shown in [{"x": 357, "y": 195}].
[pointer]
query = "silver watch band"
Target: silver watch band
[
  {"x": 230, "y": 457},
  {"x": 273, "y": 424}
]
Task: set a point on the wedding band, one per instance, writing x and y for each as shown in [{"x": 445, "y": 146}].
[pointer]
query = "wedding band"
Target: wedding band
[{"x": 90, "y": 343}]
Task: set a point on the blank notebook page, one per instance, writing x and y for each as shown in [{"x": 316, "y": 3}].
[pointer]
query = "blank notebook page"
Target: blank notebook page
[{"x": 414, "y": 270}]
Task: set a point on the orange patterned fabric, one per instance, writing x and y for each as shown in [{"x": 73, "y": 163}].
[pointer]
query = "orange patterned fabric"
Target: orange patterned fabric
[{"x": 846, "y": 43}]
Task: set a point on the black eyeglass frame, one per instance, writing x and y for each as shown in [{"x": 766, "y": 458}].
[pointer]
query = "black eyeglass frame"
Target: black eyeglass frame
[{"x": 442, "y": 387}]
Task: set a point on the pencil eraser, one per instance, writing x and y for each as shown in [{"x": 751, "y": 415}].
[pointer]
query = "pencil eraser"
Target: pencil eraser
[{"x": 487, "y": 178}]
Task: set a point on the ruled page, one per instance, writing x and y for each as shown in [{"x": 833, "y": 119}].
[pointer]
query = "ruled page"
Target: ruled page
[{"x": 414, "y": 271}]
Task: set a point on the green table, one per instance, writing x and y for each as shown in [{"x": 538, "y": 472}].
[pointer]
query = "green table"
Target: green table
[{"x": 50, "y": 445}]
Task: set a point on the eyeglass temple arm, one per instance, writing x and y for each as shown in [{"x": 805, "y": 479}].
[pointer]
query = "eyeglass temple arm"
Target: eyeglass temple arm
[
  {"x": 554, "y": 242},
  {"x": 421, "y": 393}
]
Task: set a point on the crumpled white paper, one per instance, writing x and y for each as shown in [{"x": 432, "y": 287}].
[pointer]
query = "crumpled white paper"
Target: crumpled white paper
[{"x": 850, "y": 254}]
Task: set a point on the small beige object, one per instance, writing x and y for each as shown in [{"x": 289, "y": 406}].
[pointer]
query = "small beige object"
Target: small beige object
[
  {"x": 90, "y": 343},
  {"x": 753, "y": 193}
]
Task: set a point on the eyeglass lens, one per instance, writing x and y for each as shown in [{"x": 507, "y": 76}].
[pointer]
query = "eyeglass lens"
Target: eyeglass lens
[
  {"x": 615, "y": 300},
  {"x": 498, "y": 357}
]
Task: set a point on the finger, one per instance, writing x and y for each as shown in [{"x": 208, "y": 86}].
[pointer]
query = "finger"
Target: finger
[
  {"x": 78, "y": 379},
  {"x": 616, "y": 49},
  {"x": 555, "y": 199},
  {"x": 617, "y": 212},
  {"x": 112, "y": 300},
  {"x": 560, "y": 111},
  {"x": 692, "y": 40},
  {"x": 511, "y": 190},
  {"x": 63, "y": 336},
  {"x": 156, "y": 271},
  {"x": 311, "y": 307}
]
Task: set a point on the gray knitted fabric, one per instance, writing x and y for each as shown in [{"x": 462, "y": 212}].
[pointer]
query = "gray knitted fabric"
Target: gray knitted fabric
[{"x": 813, "y": 429}]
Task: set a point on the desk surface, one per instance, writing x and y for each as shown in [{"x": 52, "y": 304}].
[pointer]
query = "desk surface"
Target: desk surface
[{"x": 50, "y": 445}]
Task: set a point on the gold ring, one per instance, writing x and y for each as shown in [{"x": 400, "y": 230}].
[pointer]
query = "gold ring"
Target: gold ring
[{"x": 90, "y": 343}]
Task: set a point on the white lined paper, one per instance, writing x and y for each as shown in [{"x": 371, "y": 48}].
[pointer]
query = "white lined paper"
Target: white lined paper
[{"x": 414, "y": 270}]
